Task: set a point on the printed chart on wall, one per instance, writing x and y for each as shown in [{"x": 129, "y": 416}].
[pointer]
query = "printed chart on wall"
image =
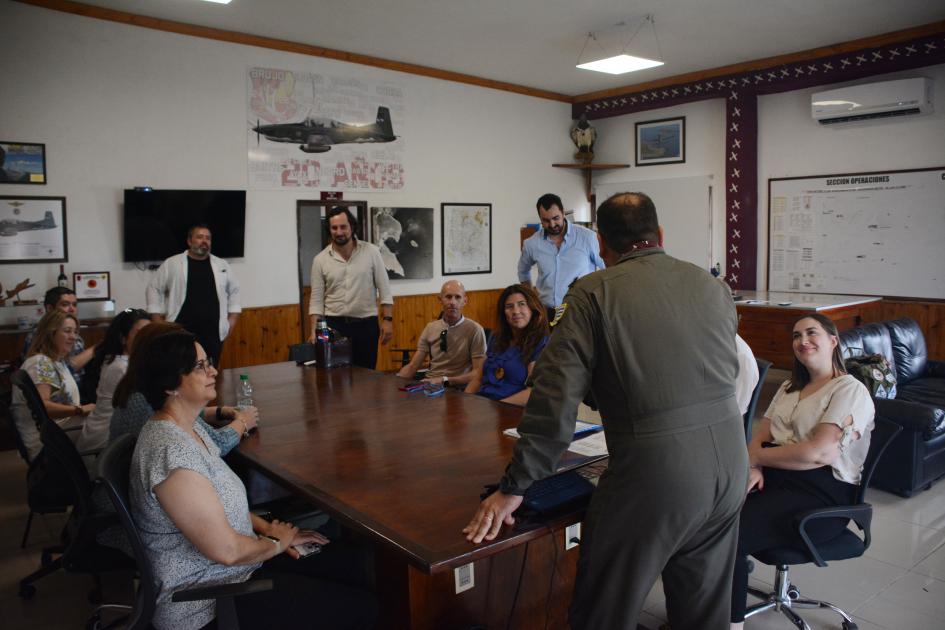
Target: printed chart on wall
[
  {"x": 311, "y": 130},
  {"x": 863, "y": 233}
]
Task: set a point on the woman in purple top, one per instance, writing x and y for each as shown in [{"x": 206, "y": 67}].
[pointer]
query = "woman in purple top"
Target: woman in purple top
[{"x": 523, "y": 333}]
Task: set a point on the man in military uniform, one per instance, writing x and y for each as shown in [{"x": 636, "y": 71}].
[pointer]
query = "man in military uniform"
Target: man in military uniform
[{"x": 653, "y": 338}]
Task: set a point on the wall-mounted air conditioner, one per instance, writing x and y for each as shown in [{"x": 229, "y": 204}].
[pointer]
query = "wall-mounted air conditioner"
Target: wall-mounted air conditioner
[{"x": 872, "y": 100}]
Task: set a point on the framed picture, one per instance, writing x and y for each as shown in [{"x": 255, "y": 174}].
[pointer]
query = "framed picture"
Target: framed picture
[
  {"x": 467, "y": 238},
  {"x": 92, "y": 286},
  {"x": 661, "y": 141},
  {"x": 405, "y": 237},
  {"x": 33, "y": 229},
  {"x": 22, "y": 163}
]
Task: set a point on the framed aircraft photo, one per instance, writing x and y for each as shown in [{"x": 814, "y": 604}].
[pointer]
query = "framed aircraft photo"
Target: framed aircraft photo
[
  {"x": 22, "y": 163},
  {"x": 33, "y": 229},
  {"x": 661, "y": 141}
]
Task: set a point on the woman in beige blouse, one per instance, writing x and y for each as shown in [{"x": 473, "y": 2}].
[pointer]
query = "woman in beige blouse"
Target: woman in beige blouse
[{"x": 807, "y": 452}]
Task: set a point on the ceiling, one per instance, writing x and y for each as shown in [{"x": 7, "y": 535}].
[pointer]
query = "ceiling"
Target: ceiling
[{"x": 536, "y": 43}]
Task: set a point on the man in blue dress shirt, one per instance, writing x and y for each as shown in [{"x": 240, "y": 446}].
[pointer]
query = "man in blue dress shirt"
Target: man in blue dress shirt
[{"x": 563, "y": 252}]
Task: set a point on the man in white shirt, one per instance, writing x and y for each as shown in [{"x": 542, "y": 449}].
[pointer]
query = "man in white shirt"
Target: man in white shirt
[
  {"x": 747, "y": 374},
  {"x": 198, "y": 291},
  {"x": 347, "y": 278}
]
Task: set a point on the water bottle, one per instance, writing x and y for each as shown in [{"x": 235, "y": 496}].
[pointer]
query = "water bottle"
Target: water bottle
[
  {"x": 244, "y": 392},
  {"x": 323, "y": 332}
]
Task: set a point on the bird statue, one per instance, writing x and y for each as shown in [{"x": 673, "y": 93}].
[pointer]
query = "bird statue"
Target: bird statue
[
  {"x": 15, "y": 291},
  {"x": 583, "y": 136}
]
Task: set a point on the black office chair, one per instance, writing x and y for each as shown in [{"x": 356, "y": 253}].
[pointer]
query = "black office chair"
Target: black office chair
[
  {"x": 763, "y": 367},
  {"x": 848, "y": 544},
  {"x": 47, "y": 488},
  {"x": 114, "y": 465},
  {"x": 78, "y": 552}
]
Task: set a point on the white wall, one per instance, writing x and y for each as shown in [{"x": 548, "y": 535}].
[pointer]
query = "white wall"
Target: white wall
[
  {"x": 705, "y": 155},
  {"x": 792, "y": 144},
  {"x": 119, "y": 106}
]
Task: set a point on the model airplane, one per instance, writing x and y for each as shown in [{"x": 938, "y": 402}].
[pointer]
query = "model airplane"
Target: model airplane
[
  {"x": 316, "y": 135},
  {"x": 12, "y": 227}
]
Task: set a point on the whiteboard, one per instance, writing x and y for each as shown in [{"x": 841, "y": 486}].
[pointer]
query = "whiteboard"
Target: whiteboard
[
  {"x": 863, "y": 233},
  {"x": 684, "y": 208}
]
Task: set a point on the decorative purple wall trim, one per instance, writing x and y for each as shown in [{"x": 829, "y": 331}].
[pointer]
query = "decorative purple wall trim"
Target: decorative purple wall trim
[
  {"x": 741, "y": 189},
  {"x": 741, "y": 92}
]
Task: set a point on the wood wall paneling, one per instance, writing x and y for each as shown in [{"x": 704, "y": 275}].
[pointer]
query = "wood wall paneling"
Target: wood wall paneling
[{"x": 263, "y": 335}]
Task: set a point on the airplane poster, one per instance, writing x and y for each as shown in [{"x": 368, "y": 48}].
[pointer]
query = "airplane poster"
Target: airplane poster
[
  {"x": 33, "y": 229},
  {"x": 324, "y": 132}
]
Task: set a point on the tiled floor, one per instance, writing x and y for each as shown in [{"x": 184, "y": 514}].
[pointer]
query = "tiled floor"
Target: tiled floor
[{"x": 898, "y": 585}]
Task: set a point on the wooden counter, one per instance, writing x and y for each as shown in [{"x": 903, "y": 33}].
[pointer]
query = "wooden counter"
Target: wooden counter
[{"x": 766, "y": 319}]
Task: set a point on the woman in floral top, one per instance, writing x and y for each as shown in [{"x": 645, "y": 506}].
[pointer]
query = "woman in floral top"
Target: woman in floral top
[{"x": 45, "y": 363}]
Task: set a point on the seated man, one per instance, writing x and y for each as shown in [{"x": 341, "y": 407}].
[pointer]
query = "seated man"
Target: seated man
[
  {"x": 456, "y": 345},
  {"x": 64, "y": 299},
  {"x": 747, "y": 374}
]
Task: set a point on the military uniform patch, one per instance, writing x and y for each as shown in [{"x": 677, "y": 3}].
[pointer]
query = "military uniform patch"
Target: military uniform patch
[{"x": 559, "y": 313}]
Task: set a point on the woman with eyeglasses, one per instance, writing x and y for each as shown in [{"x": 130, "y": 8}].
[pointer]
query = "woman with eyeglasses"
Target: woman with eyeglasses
[
  {"x": 108, "y": 365},
  {"x": 194, "y": 519},
  {"x": 131, "y": 409},
  {"x": 46, "y": 365},
  {"x": 523, "y": 333},
  {"x": 807, "y": 452}
]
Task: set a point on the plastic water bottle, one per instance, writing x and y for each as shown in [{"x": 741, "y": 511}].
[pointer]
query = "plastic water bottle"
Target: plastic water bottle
[{"x": 244, "y": 392}]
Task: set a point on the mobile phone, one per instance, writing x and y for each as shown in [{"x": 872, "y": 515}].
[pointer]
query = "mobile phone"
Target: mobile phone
[{"x": 307, "y": 549}]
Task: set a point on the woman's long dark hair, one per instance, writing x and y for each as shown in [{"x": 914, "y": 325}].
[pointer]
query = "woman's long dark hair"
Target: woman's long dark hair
[
  {"x": 800, "y": 377},
  {"x": 112, "y": 346},
  {"x": 536, "y": 330},
  {"x": 140, "y": 347}
]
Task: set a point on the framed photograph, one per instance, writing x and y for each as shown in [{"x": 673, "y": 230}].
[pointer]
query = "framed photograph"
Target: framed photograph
[
  {"x": 22, "y": 163},
  {"x": 467, "y": 238},
  {"x": 661, "y": 141},
  {"x": 405, "y": 238},
  {"x": 92, "y": 286},
  {"x": 33, "y": 229}
]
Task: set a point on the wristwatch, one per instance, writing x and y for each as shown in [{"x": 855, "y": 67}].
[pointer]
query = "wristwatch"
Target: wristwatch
[
  {"x": 446, "y": 381},
  {"x": 388, "y": 318}
]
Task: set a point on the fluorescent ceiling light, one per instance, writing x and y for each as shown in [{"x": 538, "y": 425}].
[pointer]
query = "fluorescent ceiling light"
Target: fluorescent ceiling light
[
  {"x": 219, "y": 1},
  {"x": 621, "y": 64}
]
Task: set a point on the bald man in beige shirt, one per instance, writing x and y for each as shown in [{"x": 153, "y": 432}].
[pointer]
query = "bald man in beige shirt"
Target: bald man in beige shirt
[{"x": 455, "y": 344}]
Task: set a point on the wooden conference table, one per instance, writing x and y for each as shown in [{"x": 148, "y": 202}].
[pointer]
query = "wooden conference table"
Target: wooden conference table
[{"x": 405, "y": 471}]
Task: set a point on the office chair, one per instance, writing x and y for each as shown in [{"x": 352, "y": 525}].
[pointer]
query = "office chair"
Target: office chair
[
  {"x": 78, "y": 551},
  {"x": 763, "y": 367},
  {"x": 786, "y": 595},
  {"x": 47, "y": 490},
  {"x": 114, "y": 467}
]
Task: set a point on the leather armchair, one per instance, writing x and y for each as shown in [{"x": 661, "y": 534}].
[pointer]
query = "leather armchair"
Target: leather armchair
[{"x": 916, "y": 457}]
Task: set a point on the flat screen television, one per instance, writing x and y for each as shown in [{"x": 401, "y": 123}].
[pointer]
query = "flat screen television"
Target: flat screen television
[{"x": 156, "y": 222}]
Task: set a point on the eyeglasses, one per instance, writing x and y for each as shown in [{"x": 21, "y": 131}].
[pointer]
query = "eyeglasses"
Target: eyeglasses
[
  {"x": 443, "y": 340},
  {"x": 205, "y": 365}
]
